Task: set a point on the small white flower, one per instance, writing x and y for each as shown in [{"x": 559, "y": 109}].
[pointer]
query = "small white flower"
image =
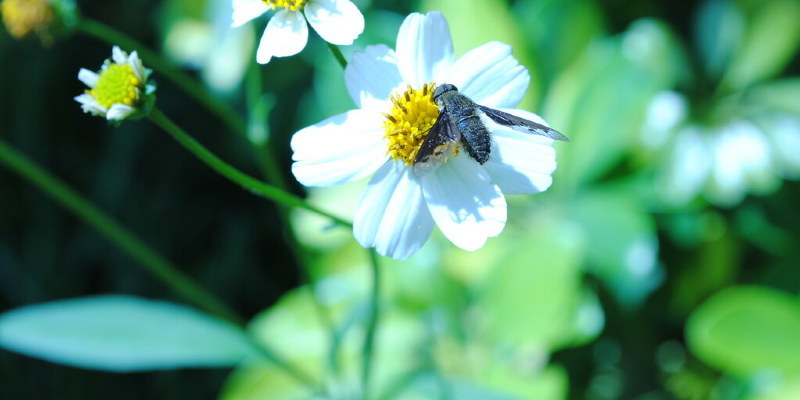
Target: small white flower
[
  {"x": 337, "y": 21},
  {"x": 393, "y": 92},
  {"x": 723, "y": 163},
  {"x": 120, "y": 90}
]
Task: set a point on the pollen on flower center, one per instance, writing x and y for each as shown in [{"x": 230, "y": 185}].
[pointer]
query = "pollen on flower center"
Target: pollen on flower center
[
  {"x": 22, "y": 17},
  {"x": 407, "y": 123},
  {"x": 292, "y": 5},
  {"x": 117, "y": 85}
]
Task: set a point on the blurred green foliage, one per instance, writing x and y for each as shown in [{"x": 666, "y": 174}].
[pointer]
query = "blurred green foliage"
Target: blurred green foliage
[{"x": 662, "y": 264}]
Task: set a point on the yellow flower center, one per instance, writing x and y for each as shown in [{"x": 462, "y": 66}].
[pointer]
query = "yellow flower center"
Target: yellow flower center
[
  {"x": 407, "y": 123},
  {"x": 22, "y": 17},
  {"x": 117, "y": 85},
  {"x": 292, "y": 5}
]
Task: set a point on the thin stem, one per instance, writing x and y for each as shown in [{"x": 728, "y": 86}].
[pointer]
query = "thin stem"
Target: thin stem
[
  {"x": 154, "y": 263},
  {"x": 372, "y": 327},
  {"x": 251, "y": 184},
  {"x": 338, "y": 54},
  {"x": 166, "y": 68}
]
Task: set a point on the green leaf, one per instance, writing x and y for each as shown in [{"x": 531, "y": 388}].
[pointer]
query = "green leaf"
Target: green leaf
[
  {"x": 624, "y": 244},
  {"x": 747, "y": 329},
  {"x": 558, "y": 30},
  {"x": 779, "y": 95},
  {"x": 601, "y": 100},
  {"x": 516, "y": 300},
  {"x": 122, "y": 333},
  {"x": 718, "y": 30},
  {"x": 773, "y": 35}
]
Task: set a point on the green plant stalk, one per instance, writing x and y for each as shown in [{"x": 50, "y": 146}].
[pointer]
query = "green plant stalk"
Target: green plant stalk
[
  {"x": 338, "y": 54},
  {"x": 153, "y": 262},
  {"x": 166, "y": 68},
  {"x": 372, "y": 327},
  {"x": 249, "y": 183}
]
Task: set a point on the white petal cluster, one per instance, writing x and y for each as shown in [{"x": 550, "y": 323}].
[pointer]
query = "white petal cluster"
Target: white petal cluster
[
  {"x": 722, "y": 163},
  {"x": 464, "y": 199},
  {"x": 117, "y": 111},
  {"x": 336, "y": 21}
]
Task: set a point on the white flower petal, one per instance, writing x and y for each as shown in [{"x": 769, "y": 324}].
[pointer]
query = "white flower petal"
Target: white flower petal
[
  {"x": 246, "y": 10},
  {"x": 520, "y": 163},
  {"x": 337, "y": 21},
  {"x": 341, "y": 149},
  {"x": 490, "y": 76},
  {"x": 90, "y": 105},
  {"x": 119, "y": 56},
  {"x": 424, "y": 48},
  {"x": 286, "y": 35},
  {"x": 392, "y": 215},
  {"x": 89, "y": 78},
  {"x": 118, "y": 112},
  {"x": 465, "y": 204},
  {"x": 371, "y": 75},
  {"x": 136, "y": 65}
]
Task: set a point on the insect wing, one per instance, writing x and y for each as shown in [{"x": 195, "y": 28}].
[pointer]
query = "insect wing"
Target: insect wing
[
  {"x": 521, "y": 124},
  {"x": 441, "y": 142}
]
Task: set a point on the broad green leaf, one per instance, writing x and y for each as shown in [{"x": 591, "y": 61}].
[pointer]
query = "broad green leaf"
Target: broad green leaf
[
  {"x": 772, "y": 38},
  {"x": 476, "y": 22},
  {"x": 122, "y": 333},
  {"x": 745, "y": 330},
  {"x": 623, "y": 243}
]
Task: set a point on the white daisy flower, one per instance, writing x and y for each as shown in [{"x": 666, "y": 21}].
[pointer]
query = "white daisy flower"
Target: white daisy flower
[
  {"x": 337, "y": 21},
  {"x": 120, "y": 90},
  {"x": 393, "y": 90}
]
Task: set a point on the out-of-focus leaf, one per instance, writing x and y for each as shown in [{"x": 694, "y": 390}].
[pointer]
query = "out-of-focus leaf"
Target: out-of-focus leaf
[
  {"x": 517, "y": 299},
  {"x": 772, "y": 38},
  {"x": 601, "y": 101},
  {"x": 746, "y": 330},
  {"x": 258, "y": 381},
  {"x": 476, "y": 22},
  {"x": 622, "y": 244},
  {"x": 122, "y": 333},
  {"x": 323, "y": 337},
  {"x": 786, "y": 390},
  {"x": 719, "y": 27},
  {"x": 559, "y": 30},
  {"x": 779, "y": 95}
]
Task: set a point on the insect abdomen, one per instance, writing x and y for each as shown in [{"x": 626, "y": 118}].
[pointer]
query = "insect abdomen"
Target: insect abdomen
[{"x": 474, "y": 136}]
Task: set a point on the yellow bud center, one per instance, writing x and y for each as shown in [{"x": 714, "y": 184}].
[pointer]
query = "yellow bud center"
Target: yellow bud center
[
  {"x": 22, "y": 17},
  {"x": 407, "y": 123},
  {"x": 292, "y": 5},
  {"x": 117, "y": 85}
]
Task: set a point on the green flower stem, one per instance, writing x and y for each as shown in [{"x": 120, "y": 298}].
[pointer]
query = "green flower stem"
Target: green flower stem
[
  {"x": 372, "y": 327},
  {"x": 338, "y": 54},
  {"x": 166, "y": 68},
  {"x": 153, "y": 262},
  {"x": 251, "y": 184}
]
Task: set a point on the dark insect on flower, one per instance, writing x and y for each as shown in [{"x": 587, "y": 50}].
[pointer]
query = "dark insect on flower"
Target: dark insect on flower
[{"x": 459, "y": 121}]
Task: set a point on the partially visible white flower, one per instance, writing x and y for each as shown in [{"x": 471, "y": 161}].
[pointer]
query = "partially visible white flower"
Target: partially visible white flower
[
  {"x": 120, "y": 90},
  {"x": 723, "y": 164},
  {"x": 665, "y": 112},
  {"x": 393, "y": 92},
  {"x": 337, "y": 21}
]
